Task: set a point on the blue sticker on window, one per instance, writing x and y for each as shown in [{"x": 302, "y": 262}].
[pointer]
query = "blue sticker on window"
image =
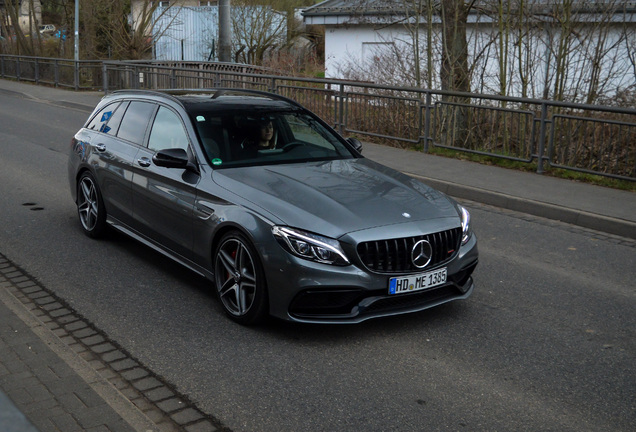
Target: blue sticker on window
[{"x": 106, "y": 116}]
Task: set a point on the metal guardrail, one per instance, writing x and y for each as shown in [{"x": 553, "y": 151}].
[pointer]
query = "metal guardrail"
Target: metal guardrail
[
  {"x": 586, "y": 138},
  {"x": 82, "y": 75}
]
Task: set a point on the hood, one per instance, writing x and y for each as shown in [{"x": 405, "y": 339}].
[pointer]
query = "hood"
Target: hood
[{"x": 334, "y": 198}]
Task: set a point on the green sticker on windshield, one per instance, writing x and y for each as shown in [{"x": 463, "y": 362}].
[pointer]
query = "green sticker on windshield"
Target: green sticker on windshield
[{"x": 216, "y": 161}]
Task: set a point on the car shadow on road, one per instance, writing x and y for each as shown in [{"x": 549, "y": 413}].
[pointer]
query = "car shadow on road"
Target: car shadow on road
[{"x": 428, "y": 320}]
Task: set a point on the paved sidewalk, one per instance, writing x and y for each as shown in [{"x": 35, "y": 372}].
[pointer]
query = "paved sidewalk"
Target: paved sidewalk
[
  {"x": 41, "y": 384},
  {"x": 60, "y": 374}
]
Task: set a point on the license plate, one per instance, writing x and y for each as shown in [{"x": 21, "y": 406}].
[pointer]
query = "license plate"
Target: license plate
[{"x": 402, "y": 284}]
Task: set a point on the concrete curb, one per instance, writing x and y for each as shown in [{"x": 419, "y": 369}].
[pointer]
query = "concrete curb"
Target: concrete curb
[{"x": 580, "y": 218}]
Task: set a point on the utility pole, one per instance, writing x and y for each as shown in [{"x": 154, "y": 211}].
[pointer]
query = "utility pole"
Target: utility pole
[
  {"x": 76, "y": 45},
  {"x": 76, "y": 31},
  {"x": 225, "y": 31}
]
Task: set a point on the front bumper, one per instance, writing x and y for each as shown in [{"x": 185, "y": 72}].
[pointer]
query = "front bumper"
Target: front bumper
[
  {"x": 308, "y": 292},
  {"x": 354, "y": 306}
]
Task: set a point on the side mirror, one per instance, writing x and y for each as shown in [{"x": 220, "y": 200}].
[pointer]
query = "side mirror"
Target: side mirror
[
  {"x": 172, "y": 158},
  {"x": 357, "y": 145}
]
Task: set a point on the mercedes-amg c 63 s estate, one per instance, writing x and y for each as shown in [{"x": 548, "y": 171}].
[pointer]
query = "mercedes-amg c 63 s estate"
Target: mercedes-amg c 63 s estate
[{"x": 283, "y": 216}]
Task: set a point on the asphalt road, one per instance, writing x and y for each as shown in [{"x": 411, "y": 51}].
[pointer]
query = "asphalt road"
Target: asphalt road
[{"x": 547, "y": 341}]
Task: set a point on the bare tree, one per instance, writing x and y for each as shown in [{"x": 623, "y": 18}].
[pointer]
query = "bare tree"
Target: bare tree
[
  {"x": 116, "y": 31},
  {"x": 256, "y": 30},
  {"x": 24, "y": 44}
]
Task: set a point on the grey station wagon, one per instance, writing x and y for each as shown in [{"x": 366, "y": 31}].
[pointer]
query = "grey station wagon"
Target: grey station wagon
[{"x": 260, "y": 196}]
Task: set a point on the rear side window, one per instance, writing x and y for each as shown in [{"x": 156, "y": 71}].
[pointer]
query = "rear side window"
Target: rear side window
[
  {"x": 135, "y": 122},
  {"x": 112, "y": 126},
  {"x": 101, "y": 118}
]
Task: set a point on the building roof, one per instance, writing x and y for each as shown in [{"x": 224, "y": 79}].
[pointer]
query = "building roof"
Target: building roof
[
  {"x": 334, "y": 7},
  {"x": 359, "y": 11}
]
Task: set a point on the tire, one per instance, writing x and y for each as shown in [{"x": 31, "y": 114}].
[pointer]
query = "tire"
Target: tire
[
  {"x": 90, "y": 207},
  {"x": 240, "y": 280}
]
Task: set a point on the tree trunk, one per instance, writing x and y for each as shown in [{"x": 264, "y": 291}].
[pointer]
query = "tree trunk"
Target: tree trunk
[{"x": 454, "y": 73}]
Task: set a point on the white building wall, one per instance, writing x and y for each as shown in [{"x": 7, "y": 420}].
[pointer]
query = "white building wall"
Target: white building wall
[
  {"x": 354, "y": 46},
  {"x": 187, "y": 34},
  {"x": 359, "y": 45},
  {"x": 191, "y": 33}
]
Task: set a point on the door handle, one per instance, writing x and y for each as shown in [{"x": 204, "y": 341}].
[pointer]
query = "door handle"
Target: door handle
[
  {"x": 144, "y": 162},
  {"x": 100, "y": 147}
]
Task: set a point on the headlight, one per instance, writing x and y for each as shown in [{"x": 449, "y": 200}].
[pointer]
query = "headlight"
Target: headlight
[
  {"x": 311, "y": 246},
  {"x": 466, "y": 232}
]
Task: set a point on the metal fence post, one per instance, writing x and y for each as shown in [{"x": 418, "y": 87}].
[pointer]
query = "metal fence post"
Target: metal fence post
[
  {"x": 76, "y": 76},
  {"x": 341, "y": 109},
  {"x": 427, "y": 120},
  {"x": 36, "y": 71},
  {"x": 105, "y": 77},
  {"x": 2, "y": 66},
  {"x": 17, "y": 68},
  {"x": 542, "y": 132},
  {"x": 56, "y": 72}
]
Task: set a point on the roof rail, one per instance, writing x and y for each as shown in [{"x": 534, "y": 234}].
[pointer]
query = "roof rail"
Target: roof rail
[
  {"x": 149, "y": 92},
  {"x": 215, "y": 92}
]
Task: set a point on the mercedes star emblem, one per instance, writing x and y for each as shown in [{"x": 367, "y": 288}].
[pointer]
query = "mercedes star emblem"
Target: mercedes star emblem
[{"x": 421, "y": 254}]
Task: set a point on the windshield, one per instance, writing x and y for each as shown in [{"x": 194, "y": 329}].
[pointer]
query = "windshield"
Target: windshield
[{"x": 262, "y": 138}]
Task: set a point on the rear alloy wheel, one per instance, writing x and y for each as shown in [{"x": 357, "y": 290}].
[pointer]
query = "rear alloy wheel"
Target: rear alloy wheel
[
  {"x": 90, "y": 206},
  {"x": 240, "y": 281}
]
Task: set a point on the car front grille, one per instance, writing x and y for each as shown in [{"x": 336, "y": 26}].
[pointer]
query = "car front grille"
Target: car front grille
[{"x": 394, "y": 255}]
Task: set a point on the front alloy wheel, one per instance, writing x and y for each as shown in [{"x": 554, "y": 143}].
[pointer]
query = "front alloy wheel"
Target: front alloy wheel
[
  {"x": 240, "y": 281},
  {"x": 90, "y": 206}
]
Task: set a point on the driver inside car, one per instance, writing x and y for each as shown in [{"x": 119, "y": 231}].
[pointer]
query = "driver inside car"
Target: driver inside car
[{"x": 261, "y": 136}]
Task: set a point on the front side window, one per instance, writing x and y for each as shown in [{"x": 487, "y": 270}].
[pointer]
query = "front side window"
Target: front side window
[{"x": 167, "y": 131}]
